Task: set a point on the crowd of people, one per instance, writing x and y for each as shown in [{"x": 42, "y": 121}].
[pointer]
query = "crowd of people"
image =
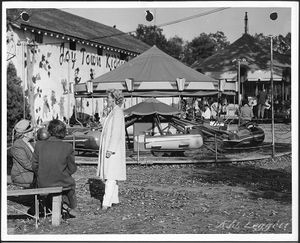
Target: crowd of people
[
  {"x": 216, "y": 108},
  {"x": 42, "y": 159}
]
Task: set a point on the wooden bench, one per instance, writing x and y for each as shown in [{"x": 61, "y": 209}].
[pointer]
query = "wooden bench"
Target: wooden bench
[{"x": 56, "y": 193}]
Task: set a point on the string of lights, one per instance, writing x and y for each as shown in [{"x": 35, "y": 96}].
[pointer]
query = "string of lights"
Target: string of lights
[
  {"x": 96, "y": 38},
  {"x": 26, "y": 14}
]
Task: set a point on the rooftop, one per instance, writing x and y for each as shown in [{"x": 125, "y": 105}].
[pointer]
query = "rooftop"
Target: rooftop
[{"x": 66, "y": 24}]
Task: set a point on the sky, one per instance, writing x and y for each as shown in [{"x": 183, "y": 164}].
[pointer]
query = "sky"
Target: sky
[{"x": 228, "y": 18}]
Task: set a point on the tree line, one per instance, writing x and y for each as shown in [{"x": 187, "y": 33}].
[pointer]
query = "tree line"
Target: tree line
[{"x": 202, "y": 46}]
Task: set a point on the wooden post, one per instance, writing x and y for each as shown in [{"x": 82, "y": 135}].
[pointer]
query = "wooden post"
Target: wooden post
[
  {"x": 74, "y": 141},
  {"x": 138, "y": 148},
  {"x": 56, "y": 209},
  {"x": 37, "y": 206}
]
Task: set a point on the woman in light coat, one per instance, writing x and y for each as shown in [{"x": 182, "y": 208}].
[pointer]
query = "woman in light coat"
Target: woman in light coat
[{"x": 112, "y": 159}]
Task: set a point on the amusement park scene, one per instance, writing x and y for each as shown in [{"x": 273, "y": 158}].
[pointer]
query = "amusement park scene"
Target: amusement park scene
[{"x": 134, "y": 120}]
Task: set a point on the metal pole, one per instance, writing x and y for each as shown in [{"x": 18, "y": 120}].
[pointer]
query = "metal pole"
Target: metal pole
[
  {"x": 272, "y": 100},
  {"x": 239, "y": 87},
  {"x": 216, "y": 148}
]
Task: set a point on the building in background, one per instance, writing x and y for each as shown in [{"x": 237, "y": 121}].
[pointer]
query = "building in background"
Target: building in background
[
  {"x": 52, "y": 50},
  {"x": 255, "y": 71}
]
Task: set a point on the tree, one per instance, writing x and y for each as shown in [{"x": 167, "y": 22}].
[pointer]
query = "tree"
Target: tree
[
  {"x": 281, "y": 44},
  {"x": 204, "y": 46},
  {"x": 14, "y": 100},
  {"x": 151, "y": 35},
  {"x": 220, "y": 40},
  {"x": 175, "y": 47},
  {"x": 200, "y": 47}
]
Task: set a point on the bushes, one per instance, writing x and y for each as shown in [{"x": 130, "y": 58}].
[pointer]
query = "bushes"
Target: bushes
[{"x": 15, "y": 101}]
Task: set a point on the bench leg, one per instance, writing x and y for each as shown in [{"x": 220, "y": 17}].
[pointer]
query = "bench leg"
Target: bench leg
[
  {"x": 56, "y": 209},
  {"x": 36, "y": 203}
]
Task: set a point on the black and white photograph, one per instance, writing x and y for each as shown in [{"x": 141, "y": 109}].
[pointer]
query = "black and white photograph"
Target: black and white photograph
[{"x": 138, "y": 121}]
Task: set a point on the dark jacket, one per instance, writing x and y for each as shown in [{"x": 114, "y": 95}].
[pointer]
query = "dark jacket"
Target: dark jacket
[
  {"x": 21, "y": 172},
  {"x": 246, "y": 113},
  {"x": 53, "y": 162},
  {"x": 262, "y": 96}
]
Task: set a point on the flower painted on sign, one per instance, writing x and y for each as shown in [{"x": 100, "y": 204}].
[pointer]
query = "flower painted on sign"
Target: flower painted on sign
[
  {"x": 77, "y": 79},
  {"x": 64, "y": 83},
  {"x": 53, "y": 99},
  {"x": 44, "y": 63}
]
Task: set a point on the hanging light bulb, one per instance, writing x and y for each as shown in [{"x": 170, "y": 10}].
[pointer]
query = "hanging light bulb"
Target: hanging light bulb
[
  {"x": 273, "y": 16},
  {"x": 24, "y": 16},
  {"x": 149, "y": 16}
]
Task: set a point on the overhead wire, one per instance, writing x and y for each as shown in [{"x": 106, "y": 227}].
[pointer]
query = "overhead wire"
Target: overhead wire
[
  {"x": 160, "y": 25},
  {"x": 166, "y": 24}
]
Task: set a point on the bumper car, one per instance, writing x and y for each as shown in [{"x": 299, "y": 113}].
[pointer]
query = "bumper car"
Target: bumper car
[
  {"x": 234, "y": 135},
  {"x": 84, "y": 141},
  {"x": 247, "y": 134}
]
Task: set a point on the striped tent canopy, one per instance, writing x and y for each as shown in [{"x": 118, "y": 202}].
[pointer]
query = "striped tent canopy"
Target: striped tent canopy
[
  {"x": 152, "y": 71},
  {"x": 151, "y": 106}
]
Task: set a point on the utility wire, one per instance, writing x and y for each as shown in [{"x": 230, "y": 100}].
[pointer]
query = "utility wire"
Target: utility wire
[
  {"x": 168, "y": 23},
  {"x": 192, "y": 17}
]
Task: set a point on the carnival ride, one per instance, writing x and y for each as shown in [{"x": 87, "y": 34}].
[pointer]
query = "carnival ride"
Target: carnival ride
[{"x": 156, "y": 127}]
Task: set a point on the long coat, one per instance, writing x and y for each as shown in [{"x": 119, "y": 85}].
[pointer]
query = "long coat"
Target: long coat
[
  {"x": 21, "y": 171},
  {"x": 54, "y": 163},
  {"x": 112, "y": 139}
]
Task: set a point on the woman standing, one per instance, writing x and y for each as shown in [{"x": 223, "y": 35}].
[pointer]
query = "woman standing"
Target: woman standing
[
  {"x": 21, "y": 152},
  {"x": 112, "y": 159}
]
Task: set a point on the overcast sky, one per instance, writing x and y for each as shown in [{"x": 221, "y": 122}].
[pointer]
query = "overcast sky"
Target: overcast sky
[{"x": 227, "y": 18}]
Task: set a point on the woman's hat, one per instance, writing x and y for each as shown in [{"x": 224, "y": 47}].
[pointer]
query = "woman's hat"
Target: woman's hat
[{"x": 23, "y": 126}]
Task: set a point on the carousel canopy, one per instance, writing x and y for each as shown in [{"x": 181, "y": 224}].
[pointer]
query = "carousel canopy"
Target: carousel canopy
[
  {"x": 257, "y": 61},
  {"x": 151, "y": 106},
  {"x": 152, "y": 71}
]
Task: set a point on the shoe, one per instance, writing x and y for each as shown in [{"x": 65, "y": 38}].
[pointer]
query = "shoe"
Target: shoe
[
  {"x": 73, "y": 212},
  {"x": 105, "y": 208},
  {"x": 68, "y": 212},
  {"x": 66, "y": 215}
]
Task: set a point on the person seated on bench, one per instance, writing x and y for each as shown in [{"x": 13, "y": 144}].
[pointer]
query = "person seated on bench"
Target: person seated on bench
[
  {"x": 21, "y": 152},
  {"x": 53, "y": 162}
]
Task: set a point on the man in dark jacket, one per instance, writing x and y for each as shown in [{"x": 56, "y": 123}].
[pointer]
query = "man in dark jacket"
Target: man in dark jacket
[{"x": 53, "y": 162}]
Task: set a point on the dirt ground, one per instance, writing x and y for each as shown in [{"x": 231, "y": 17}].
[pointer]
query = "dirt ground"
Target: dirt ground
[{"x": 242, "y": 197}]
